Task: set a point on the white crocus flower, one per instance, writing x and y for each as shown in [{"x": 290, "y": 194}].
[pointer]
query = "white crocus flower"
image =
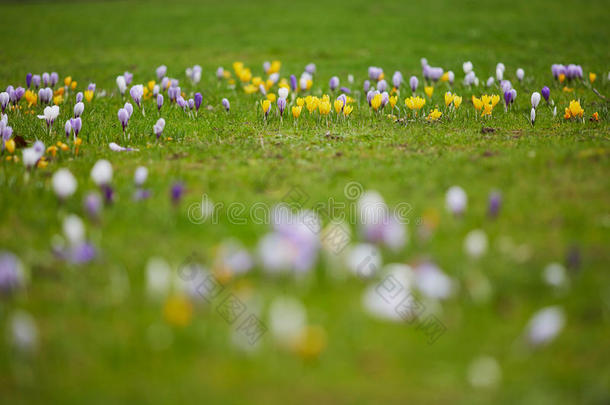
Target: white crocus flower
[
  {"x": 64, "y": 183},
  {"x": 467, "y": 66},
  {"x": 140, "y": 175},
  {"x": 456, "y": 200},
  {"x": 101, "y": 173},
  {"x": 121, "y": 84},
  {"x": 520, "y": 74},
  {"x": 533, "y": 116},
  {"x": 545, "y": 325},
  {"x": 49, "y": 115},
  {"x": 78, "y": 109},
  {"x": 490, "y": 81},
  {"x": 283, "y": 92},
  {"x": 535, "y": 99}
]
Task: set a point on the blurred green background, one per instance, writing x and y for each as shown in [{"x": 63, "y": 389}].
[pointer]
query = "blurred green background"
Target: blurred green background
[{"x": 95, "y": 342}]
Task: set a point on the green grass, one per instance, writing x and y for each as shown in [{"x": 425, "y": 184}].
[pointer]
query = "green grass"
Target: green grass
[{"x": 554, "y": 180}]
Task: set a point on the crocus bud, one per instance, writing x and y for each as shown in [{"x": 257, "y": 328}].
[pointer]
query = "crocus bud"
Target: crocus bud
[
  {"x": 101, "y": 172},
  {"x": 545, "y": 325},
  {"x": 281, "y": 105},
  {"x": 176, "y": 192},
  {"x": 121, "y": 84},
  {"x": 490, "y": 81},
  {"x": 76, "y": 125},
  {"x": 161, "y": 71},
  {"x": 220, "y": 72},
  {"x": 78, "y": 109},
  {"x": 226, "y": 104},
  {"x": 467, "y": 66},
  {"x": 499, "y": 74},
  {"x": 333, "y": 83},
  {"x": 53, "y": 79},
  {"x": 128, "y": 78},
  {"x": 158, "y": 127},
  {"x": 293, "y": 83},
  {"x": 140, "y": 175},
  {"x": 413, "y": 82},
  {"x": 28, "y": 80},
  {"x": 494, "y": 204},
  {"x": 450, "y": 76},
  {"x": 46, "y": 79},
  {"x": 546, "y": 93},
  {"x": 36, "y": 81},
  {"x": 123, "y": 117},
  {"x": 535, "y": 99},
  {"x": 136, "y": 93},
  {"x": 311, "y": 69},
  {"x": 513, "y": 95},
  {"x": 92, "y": 205},
  {"x": 79, "y": 96},
  {"x": 520, "y": 74},
  {"x": 64, "y": 183},
  {"x": 198, "y": 100},
  {"x": 397, "y": 79},
  {"x": 456, "y": 200},
  {"x": 533, "y": 115},
  {"x": 159, "y": 101},
  {"x": 366, "y": 85},
  {"x": 129, "y": 109},
  {"x": 382, "y": 85},
  {"x": 68, "y": 128}
]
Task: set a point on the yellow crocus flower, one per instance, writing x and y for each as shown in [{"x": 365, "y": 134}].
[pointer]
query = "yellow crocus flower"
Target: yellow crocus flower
[
  {"x": 445, "y": 77},
  {"x": 151, "y": 85},
  {"x": 245, "y": 75},
  {"x": 575, "y": 109},
  {"x": 429, "y": 90},
  {"x": 486, "y": 99},
  {"x": 338, "y": 106},
  {"x": 324, "y": 107},
  {"x": 52, "y": 150},
  {"x": 10, "y": 145},
  {"x": 256, "y": 81},
  {"x": 311, "y": 103},
  {"x": 238, "y": 67},
  {"x": 300, "y": 101},
  {"x": 42, "y": 163},
  {"x": 73, "y": 85},
  {"x": 31, "y": 97},
  {"x": 60, "y": 91},
  {"x": 271, "y": 97},
  {"x": 562, "y": 78},
  {"x": 275, "y": 67},
  {"x": 250, "y": 89},
  {"x": 57, "y": 100},
  {"x": 478, "y": 104},
  {"x": 494, "y": 100},
  {"x": 68, "y": 80},
  {"x": 592, "y": 77},
  {"x": 457, "y": 101},
  {"x": 376, "y": 102},
  {"x": 266, "y": 104},
  {"x": 88, "y": 95},
  {"x": 178, "y": 311},
  {"x": 434, "y": 115},
  {"x": 348, "y": 110},
  {"x": 487, "y": 109},
  {"x": 393, "y": 101},
  {"x": 448, "y": 98},
  {"x": 296, "y": 111},
  {"x": 309, "y": 84}
]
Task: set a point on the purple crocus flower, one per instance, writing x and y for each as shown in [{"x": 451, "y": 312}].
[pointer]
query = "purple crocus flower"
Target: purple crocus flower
[
  {"x": 176, "y": 192},
  {"x": 28, "y": 80},
  {"x": 92, "y": 205},
  {"x": 397, "y": 79},
  {"x": 220, "y": 72},
  {"x": 333, "y": 83},
  {"x": 164, "y": 83},
  {"x": 79, "y": 97},
  {"x": 198, "y": 100},
  {"x": 546, "y": 93},
  {"x": 36, "y": 81},
  {"x": 68, "y": 128},
  {"x": 159, "y": 101},
  {"x": 54, "y": 79},
  {"x": 311, "y": 69},
  {"x": 161, "y": 72},
  {"x": 76, "y": 124},
  {"x": 495, "y": 201},
  {"x": 226, "y": 104},
  {"x": 345, "y": 90},
  {"x": 293, "y": 83},
  {"x": 136, "y": 93},
  {"x": 81, "y": 253},
  {"x": 158, "y": 127},
  {"x": 181, "y": 102},
  {"x": 91, "y": 87},
  {"x": 366, "y": 86},
  {"x": 369, "y": 96},
  {"x": 16, "y": 94},
  {"x": 11, "y": 272},
  {"x": 507, "y": 97},
  {"x": 123, "y": 118},
  {"x": 382, "y": 85},
  {"x": 513, "y": 95},
  {"x": 129, "y": 109},
  {"x": 413, "y": 82},
  {"x": 128, "y": 78},
  {"x": 281, "y": 105},
  {"x": 46, "y": 79}
]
